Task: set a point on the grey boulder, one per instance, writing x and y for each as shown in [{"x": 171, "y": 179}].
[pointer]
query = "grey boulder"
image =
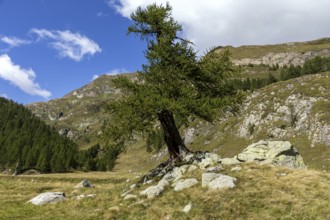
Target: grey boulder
[
  {"x": 208, "y": 177},
  {"x": 184, "y": 184},
  {"x": 278, "y": 153},
  {"x": 48, "y": 198},
  {"x": 223, "y": 181}
]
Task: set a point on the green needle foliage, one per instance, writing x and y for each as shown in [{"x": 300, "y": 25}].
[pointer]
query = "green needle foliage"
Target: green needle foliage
[
  {"x": 173, "y": 84},
  {"x": 28, "y": 143}
]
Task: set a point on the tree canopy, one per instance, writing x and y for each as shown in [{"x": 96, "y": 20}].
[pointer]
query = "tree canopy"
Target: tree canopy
[{"x": 174, "y": 83}]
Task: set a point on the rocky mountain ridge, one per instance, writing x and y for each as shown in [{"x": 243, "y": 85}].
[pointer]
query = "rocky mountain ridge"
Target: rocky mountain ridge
[{"x": 283, "y": 59}]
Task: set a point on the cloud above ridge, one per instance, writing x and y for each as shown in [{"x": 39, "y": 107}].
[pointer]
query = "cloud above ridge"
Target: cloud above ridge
[
  {"x": 20, "y": 77},
  {"x": 211, "y": 23}
]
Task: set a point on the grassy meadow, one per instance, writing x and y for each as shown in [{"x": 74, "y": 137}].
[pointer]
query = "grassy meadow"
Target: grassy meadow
[{"x": 262, "y": 192}]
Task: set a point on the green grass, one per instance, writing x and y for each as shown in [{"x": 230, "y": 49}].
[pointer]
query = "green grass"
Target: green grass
[{"x": 322, "y": 109}]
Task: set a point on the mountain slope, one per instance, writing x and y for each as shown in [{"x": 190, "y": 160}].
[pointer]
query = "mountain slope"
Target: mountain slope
[
  {"x": 79, "y": 114},
  {"x": 27, "y": 141},
  {"x": 295, "y": 110}
]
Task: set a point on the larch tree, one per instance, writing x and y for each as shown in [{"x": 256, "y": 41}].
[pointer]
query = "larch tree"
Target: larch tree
[{"x": 174, "y": 83}]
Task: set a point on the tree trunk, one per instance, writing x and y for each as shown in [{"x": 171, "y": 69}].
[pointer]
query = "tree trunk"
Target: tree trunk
[{"x": 172, "y": 138}]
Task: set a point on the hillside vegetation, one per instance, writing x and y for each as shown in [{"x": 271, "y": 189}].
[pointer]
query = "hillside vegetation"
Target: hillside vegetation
[{"x": 28, "y": 142}]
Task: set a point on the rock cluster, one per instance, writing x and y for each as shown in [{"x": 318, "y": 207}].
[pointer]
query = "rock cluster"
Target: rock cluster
[
  {"x": 277, "y": 153},
  {"x": 173, "y": 175}
]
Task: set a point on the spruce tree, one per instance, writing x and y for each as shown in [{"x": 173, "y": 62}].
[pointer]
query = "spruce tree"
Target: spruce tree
[{"x": 173, "y": 84}]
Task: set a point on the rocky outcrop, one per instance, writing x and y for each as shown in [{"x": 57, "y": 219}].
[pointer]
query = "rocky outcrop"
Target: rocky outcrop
[
  {"x": 287, "y": 109},
  {"x": 48, "y": 198},
  {"x": 277, "y": 153},
  {"x": 281, "y": 59},
  {"x": 176, "y": 173}
]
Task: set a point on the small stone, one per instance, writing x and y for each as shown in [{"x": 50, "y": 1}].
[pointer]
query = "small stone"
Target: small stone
[
  {"x": 147, "y": 182},
  {"x": 230, "y": 161},
  {"x": 184, "y": 184},
  {"x": 214, "y": 157},
  {"x": 192, "y": 168},
  {"x": 130, "y": 197},
  {"x": 132, "y": 186},
  {"x": 205, "y": 163},
  {"x": 126, "y": 193},
  {"x": 84, "y": 184},
  {"x": 187, "y": 208},
  {"x": 152, "y": 191},
  {"x": 85, "y": 196},
  {"x": 141, "y": 202},
  {"x": 174, "y": 175},
  {"x": 214, "y": 169}
]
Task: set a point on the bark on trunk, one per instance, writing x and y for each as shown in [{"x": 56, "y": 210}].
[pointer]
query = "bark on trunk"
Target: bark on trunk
[{"x": 172, "y": 138}]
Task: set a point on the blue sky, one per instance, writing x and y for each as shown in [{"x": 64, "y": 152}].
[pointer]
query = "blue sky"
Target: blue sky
[
  {"x": 50, "y": 47},
  {"x": 35, "y": 35}
]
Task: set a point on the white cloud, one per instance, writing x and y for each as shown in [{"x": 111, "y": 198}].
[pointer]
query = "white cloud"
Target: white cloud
[
  {"x": 112, "y": 72},
  {"x": 95, "y": 77},
  {"x": 22, "y": 78},
  {"x": 4, "y": 95},
  {"x": 102, "y": 14},
  {"x": 72, "y": 45},
  {"x": 117, "y": 71},
  {"x": 14, "y": 41},
  {"x": 211, "y": 23}
]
